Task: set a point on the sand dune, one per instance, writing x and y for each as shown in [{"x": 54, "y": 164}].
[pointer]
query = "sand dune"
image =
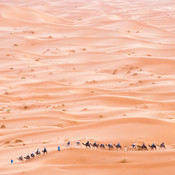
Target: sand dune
[
  {"x": 87, "y": 70},
  {"x": 28, "y": 15}
]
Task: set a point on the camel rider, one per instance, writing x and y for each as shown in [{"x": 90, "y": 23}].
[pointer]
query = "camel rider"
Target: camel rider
[
  {"x": 45, "y": 150},
  {"x": 133, "y": 145},
  {"x": 118, "y": 145},
  {"x": 153, "y": 144},
  {"x": 37, "y": 150},
  {"x": 143, "y": 145},
  {"x": 68, "y": 143}
]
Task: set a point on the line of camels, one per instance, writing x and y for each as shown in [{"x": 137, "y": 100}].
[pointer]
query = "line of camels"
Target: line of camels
[
  {"x": 32, "y": 155},
  {"x": 111, "y": 146}
]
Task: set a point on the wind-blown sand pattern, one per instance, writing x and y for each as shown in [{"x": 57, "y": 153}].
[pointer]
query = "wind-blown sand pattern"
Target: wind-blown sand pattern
[{"x": 87, "y": 70}]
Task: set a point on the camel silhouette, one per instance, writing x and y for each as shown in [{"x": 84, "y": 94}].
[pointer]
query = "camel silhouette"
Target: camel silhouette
[
  {"x": 162, "y": 145},
  {"x": 37, "y": 152},
  {"x": 44, "y": 151},
  {"x": 102, "y": 146},
  {"x": 143, "y": 147},
  {"x": 133, "y": 147},
  {"x": 27, "y": 157},
  {"x": 32, "y": 155},
  {"x": 118, "y": 146},
  {"x": 110, "y": 146},
  {"x": 20, "y": 158},
  {"x": 152, "y": 146},
  {"x": 87, "y": 144},
  {"x": 94, "y": 145}
]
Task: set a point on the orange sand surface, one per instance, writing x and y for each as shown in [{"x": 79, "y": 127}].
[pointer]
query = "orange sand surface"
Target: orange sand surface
[{"x": 97, "y": 70}]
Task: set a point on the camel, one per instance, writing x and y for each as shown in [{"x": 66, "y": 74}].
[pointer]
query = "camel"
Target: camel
[
  {"x": 118, "y": 146},
  {"x": 152, "y": 147},
  {"x": 32, "y": 155},
  {"x": 20, "y": 158},
  {"x": 87, "y": 144},
  {"x": 94, "y": 145},
  {"x": 44, "y": 151},
  {"x": 37, "y": 152},
  {"x": 102, "y": 146},
  {"x": 133, "y": 147},
  {"x": 143, "y": 147},
  {"x": 27, "y": 157},
  {"x": 110, "y": 146},
  {"x": 162, "y": 145}
]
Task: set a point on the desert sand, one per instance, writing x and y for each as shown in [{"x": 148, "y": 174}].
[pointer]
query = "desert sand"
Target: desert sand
[{"x": 97, "y": 70}]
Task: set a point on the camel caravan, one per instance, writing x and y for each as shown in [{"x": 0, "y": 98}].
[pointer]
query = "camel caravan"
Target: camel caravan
[
  {"x": 32, "y": 155},
  {"x": 109, "y": 147}
]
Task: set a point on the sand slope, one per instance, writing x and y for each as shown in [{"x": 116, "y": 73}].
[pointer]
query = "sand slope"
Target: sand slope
[{"x": 97, "y": 70}]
